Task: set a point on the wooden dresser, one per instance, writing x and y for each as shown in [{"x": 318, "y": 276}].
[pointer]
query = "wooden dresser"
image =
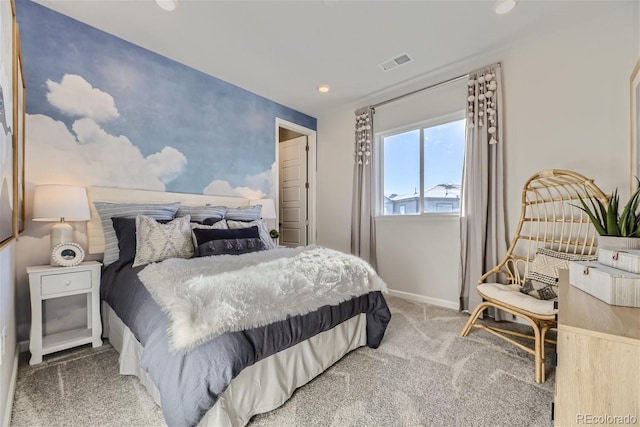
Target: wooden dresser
[{"x": 598, "y": 370}]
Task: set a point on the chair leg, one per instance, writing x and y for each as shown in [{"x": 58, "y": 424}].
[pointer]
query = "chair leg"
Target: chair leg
[
  {"x": 543, "y": 335},
  {"x": 472, "y": 319},
  {"x": 539, "y": 354}
]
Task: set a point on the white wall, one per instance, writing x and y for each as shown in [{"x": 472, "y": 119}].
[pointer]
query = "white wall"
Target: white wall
[
  {"x": 8, "y": 321},
  {"x": 566, "y": 100}
]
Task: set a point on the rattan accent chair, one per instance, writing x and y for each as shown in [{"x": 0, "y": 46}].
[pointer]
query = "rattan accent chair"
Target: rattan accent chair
[{"x": 549, "y": 219}]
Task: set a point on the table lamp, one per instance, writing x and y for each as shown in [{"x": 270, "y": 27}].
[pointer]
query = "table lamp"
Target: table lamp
[
  {"x": 268, "y": 210},
  {"x": 60, "y": 203}
]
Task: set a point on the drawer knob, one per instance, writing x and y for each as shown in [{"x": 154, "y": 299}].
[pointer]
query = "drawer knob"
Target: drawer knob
[
  {"x": 67, "y": 283},
  {"x": 585, "y": 271},
  {"x": 615, "y": 256}
]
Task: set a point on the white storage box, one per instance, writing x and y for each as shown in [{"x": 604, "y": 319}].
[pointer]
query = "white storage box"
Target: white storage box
[
  {"x": 623, "y": 259},
  {"x": 613, "y": 286}
]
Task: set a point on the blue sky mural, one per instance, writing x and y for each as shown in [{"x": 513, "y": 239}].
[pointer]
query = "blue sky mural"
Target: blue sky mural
[{"x": 124, "y": 116}]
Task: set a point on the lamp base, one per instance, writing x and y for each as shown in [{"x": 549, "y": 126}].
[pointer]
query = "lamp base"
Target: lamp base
[{"x": 61, "y": 232}]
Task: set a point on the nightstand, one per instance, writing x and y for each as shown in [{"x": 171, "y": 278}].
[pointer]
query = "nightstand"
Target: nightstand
[{"x": 47, "y": 282}]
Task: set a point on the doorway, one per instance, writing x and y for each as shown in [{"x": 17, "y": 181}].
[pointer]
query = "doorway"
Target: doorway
[{"x": 296, "y": 160}]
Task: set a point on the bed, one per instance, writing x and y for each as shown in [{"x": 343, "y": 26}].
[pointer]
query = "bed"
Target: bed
[{"x": 252, "y": 364}]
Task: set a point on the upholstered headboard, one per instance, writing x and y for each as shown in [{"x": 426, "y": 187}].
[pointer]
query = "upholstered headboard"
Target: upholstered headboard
[{"x": 95, "y": 234}]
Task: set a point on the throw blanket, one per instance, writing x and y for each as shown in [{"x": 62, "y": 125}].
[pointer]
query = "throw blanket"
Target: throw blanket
[{"x": 206, "y": 297}]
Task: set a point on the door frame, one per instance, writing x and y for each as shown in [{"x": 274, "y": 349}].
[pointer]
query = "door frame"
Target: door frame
[{"x": 312, "y": 167}]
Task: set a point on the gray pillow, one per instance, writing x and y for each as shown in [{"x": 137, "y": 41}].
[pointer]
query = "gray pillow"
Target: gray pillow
[
  {"x": 108, "y": 210},
  {"x": 156, "y": 241}
]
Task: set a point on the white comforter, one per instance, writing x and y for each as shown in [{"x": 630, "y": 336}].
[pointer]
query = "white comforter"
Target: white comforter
[{"x": 205, "y": 297}]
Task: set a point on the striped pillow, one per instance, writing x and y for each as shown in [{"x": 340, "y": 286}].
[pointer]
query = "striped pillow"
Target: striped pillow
[
  {"x": 542, "y": 278},
  {"x": 245, "y": 213},
  {"x": 200, "y": 213},
  {"x": 108, "y": 210}
]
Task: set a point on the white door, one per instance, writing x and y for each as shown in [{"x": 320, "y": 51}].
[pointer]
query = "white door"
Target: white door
[{"x": 293, "y": 192}]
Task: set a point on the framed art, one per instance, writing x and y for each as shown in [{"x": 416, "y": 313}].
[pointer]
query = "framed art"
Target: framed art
[
  {"x": 7, "y": 20},
  {"x": 635, "y": 123},
  {"x": 19, "y": 136}
]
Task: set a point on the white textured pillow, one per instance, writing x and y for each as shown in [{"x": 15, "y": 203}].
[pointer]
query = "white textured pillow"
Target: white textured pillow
[
  {"x": 542, "y": 278},
  {"x": 157, "y": 242},
  {"x": 108, "y": 210},
  {"x": 263, "y": 230}
]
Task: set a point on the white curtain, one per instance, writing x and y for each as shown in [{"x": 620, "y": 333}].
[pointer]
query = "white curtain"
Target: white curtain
[
  {"x": 363, "y": 232},
  {"x": 482, "y": 223}
]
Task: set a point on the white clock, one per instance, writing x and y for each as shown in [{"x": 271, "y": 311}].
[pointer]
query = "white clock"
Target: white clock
[{"x": 67, "y": 254}]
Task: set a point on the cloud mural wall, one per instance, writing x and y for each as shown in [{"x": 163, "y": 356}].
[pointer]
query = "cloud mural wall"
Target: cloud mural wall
[{"x": 102, "y": 111}]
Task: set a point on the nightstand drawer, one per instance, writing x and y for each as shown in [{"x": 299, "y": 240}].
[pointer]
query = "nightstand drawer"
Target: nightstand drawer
[{"x": 66, "y": 282}]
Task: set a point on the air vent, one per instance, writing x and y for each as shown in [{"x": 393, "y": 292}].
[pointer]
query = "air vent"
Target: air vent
[{"x": 396, "y": 62}]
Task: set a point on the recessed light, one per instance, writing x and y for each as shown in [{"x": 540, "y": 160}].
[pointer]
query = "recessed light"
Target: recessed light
[
  {"x": 504, "y": 6},
  {"x": 324, "y": 88},
  {"x": 167, "y": 4}
]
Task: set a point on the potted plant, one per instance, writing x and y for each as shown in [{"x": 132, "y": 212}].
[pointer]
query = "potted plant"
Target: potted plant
[
  {"x": 615, "y": 228},
  {"x": 274, "y": 235}
]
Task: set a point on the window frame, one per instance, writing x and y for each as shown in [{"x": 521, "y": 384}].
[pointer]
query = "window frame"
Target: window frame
[{"x": 378, "y": 175}]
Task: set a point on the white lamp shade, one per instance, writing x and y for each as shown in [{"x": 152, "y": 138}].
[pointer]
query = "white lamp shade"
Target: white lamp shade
[
  {"x": 504, "y": 6},
  {"x": 268, "y": 207},
  {"x": 53, "y": 202}
]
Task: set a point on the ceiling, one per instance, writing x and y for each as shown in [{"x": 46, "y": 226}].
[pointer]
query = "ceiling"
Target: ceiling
[{"x": 283, "y": 50}]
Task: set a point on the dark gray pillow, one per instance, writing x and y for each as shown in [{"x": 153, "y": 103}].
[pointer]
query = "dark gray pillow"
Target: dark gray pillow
[
  {"x": 126, "y": 233},
  {"x": 204, "y": 235},
  {"x": 210, "y": 221},
  {"x": 229, "y": 247}
]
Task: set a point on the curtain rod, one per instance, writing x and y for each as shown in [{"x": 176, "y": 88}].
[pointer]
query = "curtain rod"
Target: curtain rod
[{"x": 433, "y": 86}]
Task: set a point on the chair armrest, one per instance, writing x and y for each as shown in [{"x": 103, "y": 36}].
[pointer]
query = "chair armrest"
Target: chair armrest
[
  {"x": 498, "y": 269},
  {"x": 509, "y": 267}
]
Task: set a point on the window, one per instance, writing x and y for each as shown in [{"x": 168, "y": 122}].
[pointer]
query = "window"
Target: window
[{"x": 421, "y": 167}]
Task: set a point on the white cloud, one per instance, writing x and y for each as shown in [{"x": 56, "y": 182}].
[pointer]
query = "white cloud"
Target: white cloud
[
  {"x": 258, "y": 180},
  {"x": 74, "y": 96},
  {"x": 167, "y": 164},
  {"x": 87, "y": 154},
  {"x": 99, "y": 158},
  {"x": 223, "y": 188},
  {"x": 219, "y": 188}
]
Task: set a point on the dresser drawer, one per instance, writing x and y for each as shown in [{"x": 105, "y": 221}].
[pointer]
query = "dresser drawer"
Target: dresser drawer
[{"x": 66, "y": 282}]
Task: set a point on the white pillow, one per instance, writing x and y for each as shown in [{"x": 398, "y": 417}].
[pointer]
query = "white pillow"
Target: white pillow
[
  {"x": 108, "y": 210},
  {"x": 156, "y": 241},
  {"x": 263, "y": 230}
]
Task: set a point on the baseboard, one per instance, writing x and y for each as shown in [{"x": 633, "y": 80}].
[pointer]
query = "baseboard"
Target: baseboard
[
  {"x": 23, "y": 346},
  {"x": 421, "y": 298},
  {"x": 8, "y": 405}
]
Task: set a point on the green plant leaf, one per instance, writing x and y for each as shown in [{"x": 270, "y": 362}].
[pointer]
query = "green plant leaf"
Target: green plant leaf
[
  {"x": 612, "y": 215},
  {"x": 592, "y": 213},
  {"x": 627, "y": 222}
]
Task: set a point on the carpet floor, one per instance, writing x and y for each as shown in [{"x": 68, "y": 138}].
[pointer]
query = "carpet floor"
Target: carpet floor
[{"x": 423, "y": 374}]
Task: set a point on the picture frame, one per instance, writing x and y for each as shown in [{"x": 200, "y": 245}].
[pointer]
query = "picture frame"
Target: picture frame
[
  {"x": 19, "y": 137},
  {"x": 634, "y": 87},
  {"x": 7, "y": 160}
]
